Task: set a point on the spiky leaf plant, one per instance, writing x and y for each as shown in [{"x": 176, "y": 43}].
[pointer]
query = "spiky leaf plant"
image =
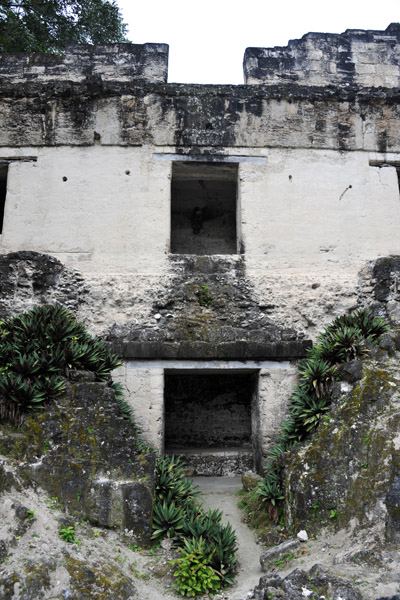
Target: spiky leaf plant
[
  {"x": 167, "y": 520},
  {"x": 309, "y": 413},
  {"x": 171, "y": 483},
  {"x": 372, "y": 328},
  {"x": 270, "y": 491},
  {"x": 199, "y": 533},
  {"x": 317, "y": 375},
  {"x": 343, "y": 340},
  {"x": 348, "y": 342},
  {"x": 36, "y": 350}
]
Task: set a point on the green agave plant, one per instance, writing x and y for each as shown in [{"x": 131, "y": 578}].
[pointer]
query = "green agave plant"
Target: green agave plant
[
  {"x": 269, "y": 489},
  {"x": 167, "y": 520},
  {"x": 223, "y": 559},
  {"x": 371, "y": 327},
  {"x": 36, "y": 350},
  {"x": 51, "y": 386},
  {"x": 317, "y": 375},
  {"x": 310, "y": 414},
  {"x": 347, "y": 342},
  {"x": 171, "y": 483},
  {"x": 343, "y": 340},
  {"x": 178, "y": 514},
  {"x": 200, "y": 524}
]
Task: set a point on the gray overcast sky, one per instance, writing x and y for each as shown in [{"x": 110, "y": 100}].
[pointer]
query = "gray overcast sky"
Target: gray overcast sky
[{"x": 207, "y": 38}]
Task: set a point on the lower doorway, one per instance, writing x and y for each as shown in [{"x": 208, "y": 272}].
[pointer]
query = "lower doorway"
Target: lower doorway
[{"x": 211, "y": 420}]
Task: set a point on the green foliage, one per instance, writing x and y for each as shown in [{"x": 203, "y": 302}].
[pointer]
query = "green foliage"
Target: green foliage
[
  {"x": 171, "y": 483},
  {"x": 224, "y": 559},
  {"x": 203, "y": 296},
  {"x": 343, "y": 340},
  {"x": 270, "y": 489},
  {"x": 207, "y": 546},
  {"x": 307, "y": 410},
  {"x": 167, "y": 520},
  {"x": 317, "y": 376},
  {"x": 194, "y": 576},
  {"x": 37, "y": 349},
  {"x": 200, "y": 524},
  {"x": 333, "y": 515},
  {"x": 67, "y": 534},
  {"x": 344, "y": 344},
  {"x": 372, "y": 328},
  {"x": 48, "y": 25}
]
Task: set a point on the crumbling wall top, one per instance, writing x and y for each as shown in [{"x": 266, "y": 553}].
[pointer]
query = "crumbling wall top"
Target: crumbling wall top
[
  {"x": 108, "y": 62},
  {"x": 357, "y": 57}
]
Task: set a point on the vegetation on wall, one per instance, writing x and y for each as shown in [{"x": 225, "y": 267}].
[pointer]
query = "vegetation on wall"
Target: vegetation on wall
[
  {"x": 207, "y": 547},
  {"x": 347, "y": 338},
  {"x": 37, "y": 349}
]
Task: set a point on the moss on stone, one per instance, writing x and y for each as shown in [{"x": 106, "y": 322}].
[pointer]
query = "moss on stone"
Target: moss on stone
[
  {"x": 98, "y": 584},
  {"x": 79, "y": 442},
  {"x": 347, "y": 466}
]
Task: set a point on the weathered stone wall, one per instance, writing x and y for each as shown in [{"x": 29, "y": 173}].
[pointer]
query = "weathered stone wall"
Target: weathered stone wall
[
  {"x": 196, "y": 119},
  {"x": 29, "y": 279},
  {"x": 125, "y": 62},
  {"x": 91, "y": 140},
  {"x": 348, "y": 471},
  {"x": 81, "y": 451},
  {"x": 366, "y": 58}
]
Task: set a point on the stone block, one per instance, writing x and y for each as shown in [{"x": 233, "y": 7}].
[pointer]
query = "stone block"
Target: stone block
[
  {"x": 268, "y": 558},
  {"x": 392, "y": 502},
  {"x": 83, "y": 452},
  {"x": 122, "y": 504}
]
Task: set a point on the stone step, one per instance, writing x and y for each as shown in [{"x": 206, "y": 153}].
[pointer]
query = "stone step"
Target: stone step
[{"x": 215, "y": 462}]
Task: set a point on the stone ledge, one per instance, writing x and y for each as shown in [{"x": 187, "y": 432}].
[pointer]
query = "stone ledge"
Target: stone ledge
[{"x": 201, "y": 350}]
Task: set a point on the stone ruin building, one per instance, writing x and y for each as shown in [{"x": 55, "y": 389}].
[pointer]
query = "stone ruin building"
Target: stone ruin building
[{"x": 208, "y": 232}]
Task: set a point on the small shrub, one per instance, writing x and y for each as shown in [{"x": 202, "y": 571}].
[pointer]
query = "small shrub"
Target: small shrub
[
  {"x": 203, "y": 296},
  {"x": 67, "y": 534},
  {"x": 194, "y": 576}
]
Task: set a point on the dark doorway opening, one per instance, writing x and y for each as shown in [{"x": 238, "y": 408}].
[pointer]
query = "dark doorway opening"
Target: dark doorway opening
[
  {"x": 210, "y": 420},
  {"x": 203, "y": 208},
  {"x": 3, "y": 191}
]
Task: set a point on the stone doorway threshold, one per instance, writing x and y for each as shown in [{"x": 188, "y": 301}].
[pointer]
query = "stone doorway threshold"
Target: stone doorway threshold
[
  {"x": 215, "y": 462},
  {"x": 221, "y": 493}
]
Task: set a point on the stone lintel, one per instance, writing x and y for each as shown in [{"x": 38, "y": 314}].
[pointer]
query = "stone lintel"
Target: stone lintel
[{"x": 204, "y": 350}]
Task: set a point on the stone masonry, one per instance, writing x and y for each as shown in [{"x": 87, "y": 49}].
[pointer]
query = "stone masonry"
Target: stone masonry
[{"x": 286, "y": 188}]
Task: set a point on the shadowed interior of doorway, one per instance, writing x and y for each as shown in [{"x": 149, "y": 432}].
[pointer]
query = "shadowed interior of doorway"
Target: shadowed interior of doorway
[{"x": 210, "y": 420}]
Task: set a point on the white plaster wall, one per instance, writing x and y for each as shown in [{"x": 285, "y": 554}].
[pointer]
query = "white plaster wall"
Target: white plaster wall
[
  {"x": 306, "y": 234},
  {"x": 145, "y": 394},
  {"x": 299, "y": 208},
  {"x": 144, "y": 383},
  {"x": 101, "y": 216},
  {"x": 274, "y": 391},
  {"x": 296, "y": 209}
]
